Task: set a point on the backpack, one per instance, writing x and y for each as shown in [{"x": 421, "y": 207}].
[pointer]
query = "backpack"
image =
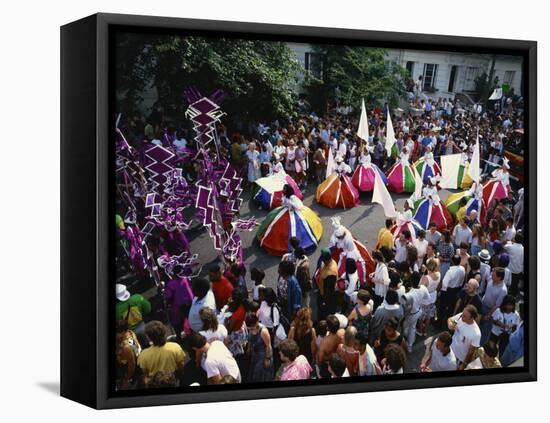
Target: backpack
[
  {"x": 133, "y": 316},
  {"x": 279, "y": 332}
]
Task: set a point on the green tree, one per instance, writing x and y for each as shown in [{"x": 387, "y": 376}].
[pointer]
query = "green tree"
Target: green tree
[
  {"x": 256, "y": 76},
  {"x": 353, "y": 73}
]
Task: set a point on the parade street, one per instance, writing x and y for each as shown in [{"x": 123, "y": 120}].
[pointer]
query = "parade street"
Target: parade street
[{"x": 364, "y": 221}]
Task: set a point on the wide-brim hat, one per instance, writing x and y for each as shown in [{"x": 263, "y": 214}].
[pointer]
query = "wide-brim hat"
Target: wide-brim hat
[
  {"x": 122, "y": 293},
  {"x": 484, "y": 255}
]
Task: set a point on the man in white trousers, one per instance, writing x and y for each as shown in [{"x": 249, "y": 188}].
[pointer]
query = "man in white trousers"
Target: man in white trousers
[{"x": 414, "y": 299}]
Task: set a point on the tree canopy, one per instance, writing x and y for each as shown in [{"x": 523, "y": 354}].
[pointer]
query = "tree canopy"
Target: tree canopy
[
  {"x": 352, "y": 73},
  {"x": 256, "y": 76}
]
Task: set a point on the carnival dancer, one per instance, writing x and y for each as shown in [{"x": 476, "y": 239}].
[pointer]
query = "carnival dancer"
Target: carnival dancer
[
  {"x": 401, "y": 175},
  {"x": 292, "y": 219},
  {"x": 472, "y": 199},
  {"x": 269, "y": 193},
  {"x": 363, "y": 177},
  {"x": 464, "y": 179},
  {"x": 406, "y": 222},
  {"x": 337, "y": 190},
  {"x": 498, "y": 186},
  {"x": 344, "y": 246},
  {"x": 431, "y": 209},
  {"x": 427, "y": 167}
]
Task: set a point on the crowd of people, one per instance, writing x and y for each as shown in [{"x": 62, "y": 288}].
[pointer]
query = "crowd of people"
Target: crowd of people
[{"x": 353, "y": 312}]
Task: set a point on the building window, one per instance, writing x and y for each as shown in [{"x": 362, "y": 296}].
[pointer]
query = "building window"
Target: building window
[
  {"x": 470, "y": 78},
  {"x": 314, "y": 64},
  {"x": 430, "y": 73},
  {"x": 452, "y": 78},
  {"x": 509, "y": 77}
]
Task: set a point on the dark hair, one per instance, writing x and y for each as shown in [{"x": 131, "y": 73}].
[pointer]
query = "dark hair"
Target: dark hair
[
  {"x": 421, "y": 233},
  {"x": 196, "y": 340},
  {"x": 491, "y": 349},
  {"x": 387, "y": 253},
  {"x": 407, "y": 234},
  {"x": 445, "y": 338},
  {"x": 200, "y": 287},
  {"x": 474, "y": 262},
  {"x": 519, "y": 237},
  {"x": 378, "y": 256},
  {"x": 395, "y": 279},
  {"x": 294, "y": 242},
  {"x": 333, "y": 324},
  {"x": 288, "y": 191},
  {"x": 257, "y": 275},
  {"x": 472, "y": 310},
  {"x": 121, "y": 326},
  {"x": 238, "y": 297},
  {"x": 214, "y": 268},
  {"x": 389, "y": 223},
  {"x": 299, "y": 252},
  {"x": 289, "y": 348},
  {"x": 321, "y": 327},
  {"x": 415, "y": 279},
  {"x": 455, "y": 260},
  {"x": 337, "y": 364},
  {"x": 270, "y": 296},
  {"x": 156, "y": 332},
  {"x": 446, "y": 235},
  {"x": 507, "y": 300},
  {"x": 363, "y": 295},
  {"x": 251, "y": 319},
  {"x": 392, "y": 323},
  {"x": 395, "y": 357},
  {"x": 286, "y": 269},
  {"x": 463, "y": 245},
  {"x": 499, "y": 271},
  {"x": 392, "y": 297}
]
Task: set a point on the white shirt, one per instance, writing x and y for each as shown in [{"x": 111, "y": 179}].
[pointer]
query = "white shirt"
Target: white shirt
[
  {"x": 465, "y": 336},
  {"x": 421, "y": 247},
  {"x": 218, "y": 335},
  {"x": 207, "y": 301},
  {"x": 440, "y": 362},
  {"x": 219, "y": 361},
  {"x": 509, "y": 233},
  {"x": 381, "y": 279},
  {"x": 509, "y": 319},
  {"x": 454, "y": 278},
  {"x": 417, "y": 296},
  {"x": 400, "y": 251},
  {"x": 515, "y": 251},
  {"x": 461, "y": 234},
  {"x": 264, "y": 315}
]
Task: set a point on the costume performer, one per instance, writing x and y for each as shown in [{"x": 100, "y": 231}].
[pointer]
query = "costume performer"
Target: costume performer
[
  {"x": 337, "y": 190},
  {"x": 401, "y": 175},
  {"x": 289, "y": 220},
  {"x": 363, "y": 177}
]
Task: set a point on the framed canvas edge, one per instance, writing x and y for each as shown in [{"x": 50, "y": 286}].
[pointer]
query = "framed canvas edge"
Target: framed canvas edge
[{"x": 104, "y": 21}]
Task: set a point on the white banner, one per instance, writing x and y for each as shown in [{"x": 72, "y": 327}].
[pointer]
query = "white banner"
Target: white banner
[{"x": 450, "y": 164}]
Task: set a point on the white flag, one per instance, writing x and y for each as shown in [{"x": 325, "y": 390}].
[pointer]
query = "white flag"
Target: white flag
[
  {"x": 496, "y": 95},
  {"x": 381, "y": 196},
  {"x": 417, "y": 184},
  {"x": 331, "y": 164},
  {"x": 450, "y": 165},
  {"x": 390, "y": 134},
  {"x": 474, "y": 170},
  {"x": 363, "y": 130}
]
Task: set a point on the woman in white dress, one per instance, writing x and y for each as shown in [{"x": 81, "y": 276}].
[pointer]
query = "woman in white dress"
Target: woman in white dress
[
  {"x": 253, "y": 157},
  {"x": 431, "y": 281}
]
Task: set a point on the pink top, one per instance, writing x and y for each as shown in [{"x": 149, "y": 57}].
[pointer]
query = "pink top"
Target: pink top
[{"x": 298, "y": 369}]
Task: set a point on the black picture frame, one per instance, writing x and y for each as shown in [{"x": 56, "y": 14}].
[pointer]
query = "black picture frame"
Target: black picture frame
[{"x": 86, "y": 218}]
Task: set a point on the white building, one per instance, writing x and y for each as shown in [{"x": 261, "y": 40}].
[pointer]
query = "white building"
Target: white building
[{"x": 444, "y": 74}]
